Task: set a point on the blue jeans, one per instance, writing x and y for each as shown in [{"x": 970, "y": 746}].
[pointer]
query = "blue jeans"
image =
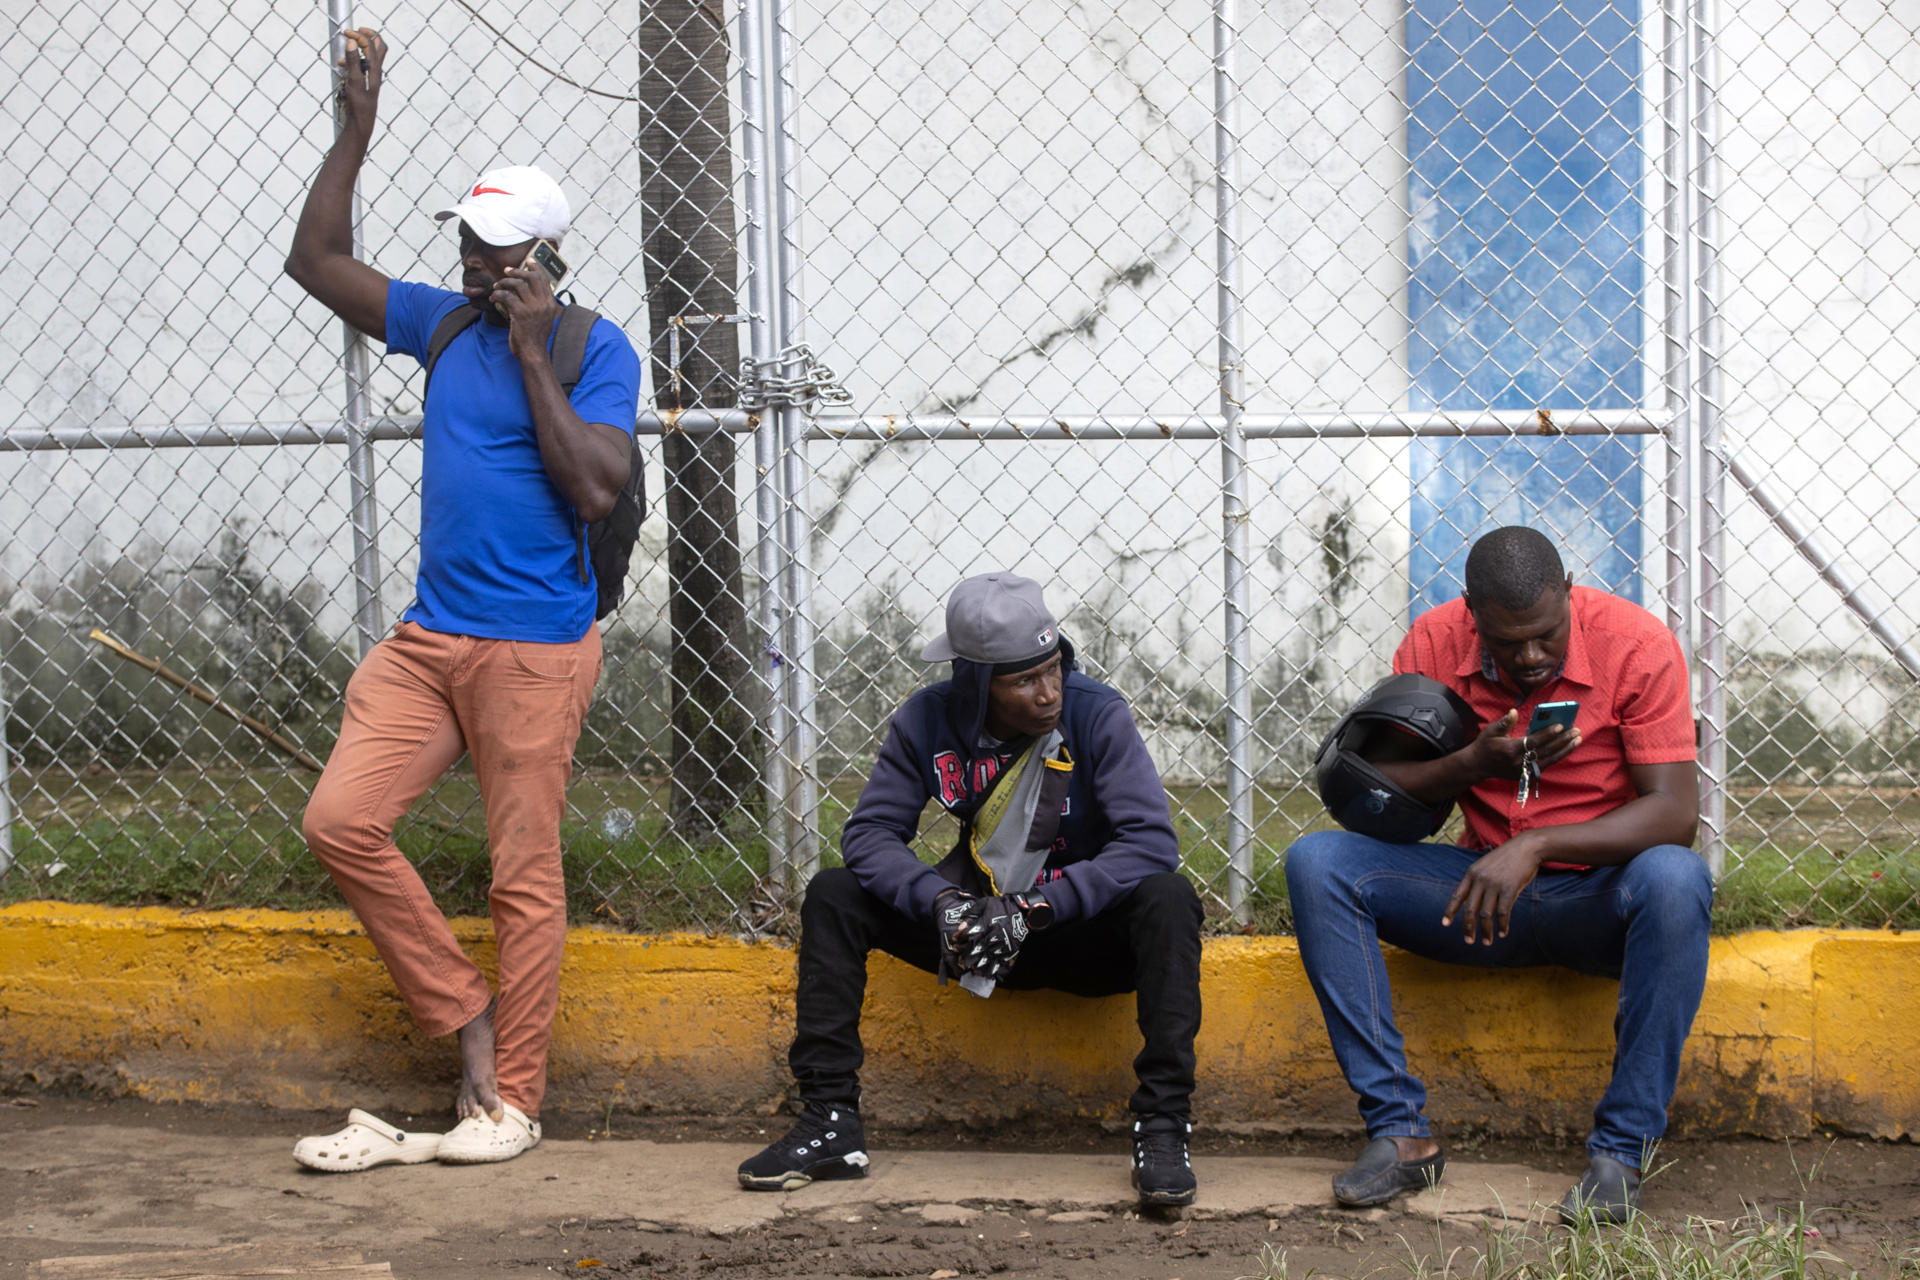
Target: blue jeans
[{"x": 1644, "y": 923}]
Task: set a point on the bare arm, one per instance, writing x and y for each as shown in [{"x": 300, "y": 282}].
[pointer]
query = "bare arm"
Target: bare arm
[
  {"x": 1666, "y": 810},
  {"x": 587, "y": 461},
  {"x": 321, "y": 260}
]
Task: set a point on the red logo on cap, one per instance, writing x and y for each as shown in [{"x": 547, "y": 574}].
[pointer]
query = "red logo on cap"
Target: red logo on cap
[{"x": 491, "y": 191}]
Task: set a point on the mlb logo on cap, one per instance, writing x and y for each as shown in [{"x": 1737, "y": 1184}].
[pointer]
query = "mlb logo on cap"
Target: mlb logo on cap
[{"x": 996, "y": 618}]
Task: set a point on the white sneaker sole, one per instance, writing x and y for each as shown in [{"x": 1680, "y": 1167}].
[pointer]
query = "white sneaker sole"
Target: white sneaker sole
[{"x": 852, "y": 1165}]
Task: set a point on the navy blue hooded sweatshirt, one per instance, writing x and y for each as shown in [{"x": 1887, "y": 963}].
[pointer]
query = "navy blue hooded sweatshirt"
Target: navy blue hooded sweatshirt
[{"x": 1115, "y": 831}]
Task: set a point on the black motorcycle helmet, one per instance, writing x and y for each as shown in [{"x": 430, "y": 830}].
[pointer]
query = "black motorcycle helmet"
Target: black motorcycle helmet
[{"x": 1404, "y": 717}]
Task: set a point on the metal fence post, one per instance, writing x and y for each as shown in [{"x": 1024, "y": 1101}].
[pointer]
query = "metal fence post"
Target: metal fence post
[
  {"x": 1233, "y": 463},
  {"x": 360, "y": 477},
  {"x": 783, "y": 99},
  {"x": 6, "y": 777},
  {"x": 1713, "y": 471},
  {"x": 770, "y": 611},
  {"x": 802, "y": 690},
  {"x": 1676, "y": 285}
]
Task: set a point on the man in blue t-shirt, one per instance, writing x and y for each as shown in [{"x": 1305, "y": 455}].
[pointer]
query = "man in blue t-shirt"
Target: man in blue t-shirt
[{"x": 498, "y": 654}]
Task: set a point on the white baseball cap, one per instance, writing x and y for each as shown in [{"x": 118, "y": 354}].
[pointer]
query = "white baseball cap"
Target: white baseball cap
[{"x": 507, "y": 206}]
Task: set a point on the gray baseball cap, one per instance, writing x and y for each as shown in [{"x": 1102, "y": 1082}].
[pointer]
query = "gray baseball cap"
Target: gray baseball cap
[{"x": 995, "y": 619}]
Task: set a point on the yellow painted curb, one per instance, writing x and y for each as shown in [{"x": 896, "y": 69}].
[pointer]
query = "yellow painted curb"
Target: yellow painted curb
[
  {"x": 293, "y": 1009},
  {"x": 1866, "y": 1028}
]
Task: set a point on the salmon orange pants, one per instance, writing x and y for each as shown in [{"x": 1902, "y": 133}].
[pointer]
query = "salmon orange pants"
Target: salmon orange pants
[{"x": 416, "y": 704}]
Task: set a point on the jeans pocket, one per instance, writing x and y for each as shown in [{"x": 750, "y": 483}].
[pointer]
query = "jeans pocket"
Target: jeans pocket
[{"x": 546, "y": 661}]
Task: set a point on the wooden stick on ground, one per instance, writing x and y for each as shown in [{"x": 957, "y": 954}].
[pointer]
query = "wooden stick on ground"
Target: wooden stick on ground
[{"x": 224, "y": 708}]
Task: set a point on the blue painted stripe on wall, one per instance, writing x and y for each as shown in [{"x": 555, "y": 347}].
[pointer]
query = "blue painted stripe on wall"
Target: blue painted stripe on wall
[{"x": 1524, "y": 186}]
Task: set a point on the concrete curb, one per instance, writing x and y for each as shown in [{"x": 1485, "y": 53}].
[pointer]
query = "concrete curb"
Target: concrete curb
[{"x": 1799, "y": 1030}]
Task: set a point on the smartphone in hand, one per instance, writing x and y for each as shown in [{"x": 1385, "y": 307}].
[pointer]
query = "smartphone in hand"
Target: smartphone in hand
[
  {"x": 1552, "y": 713},
  {"x": 546, "y": 257}
]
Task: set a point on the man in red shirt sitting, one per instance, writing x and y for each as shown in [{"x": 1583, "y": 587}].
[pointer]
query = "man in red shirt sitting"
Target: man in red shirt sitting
[{"x": 1585, "y": 864}]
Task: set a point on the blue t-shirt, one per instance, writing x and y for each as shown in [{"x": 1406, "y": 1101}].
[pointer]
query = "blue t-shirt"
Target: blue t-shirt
[{"x": 499, "y": 556}]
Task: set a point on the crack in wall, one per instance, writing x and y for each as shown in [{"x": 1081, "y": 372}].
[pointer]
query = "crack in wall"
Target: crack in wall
[{"x": 1198, "y": 178}]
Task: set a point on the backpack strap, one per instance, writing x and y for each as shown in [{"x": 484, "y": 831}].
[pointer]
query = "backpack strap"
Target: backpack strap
[
  {"x": 451, "y": 326},
  {"x": 569, "y": 350}
]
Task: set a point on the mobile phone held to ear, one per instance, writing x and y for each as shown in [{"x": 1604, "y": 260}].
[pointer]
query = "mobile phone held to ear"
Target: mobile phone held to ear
[
  {"x": 546, "y": 257},
  {"x": 1552, "y": 713}
]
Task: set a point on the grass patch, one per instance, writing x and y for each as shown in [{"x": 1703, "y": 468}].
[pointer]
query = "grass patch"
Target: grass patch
[
  {"x": 1785, "y": 1246},
  {"x": 1865, "y": 887},
  {"x": 207, "y": 840}
]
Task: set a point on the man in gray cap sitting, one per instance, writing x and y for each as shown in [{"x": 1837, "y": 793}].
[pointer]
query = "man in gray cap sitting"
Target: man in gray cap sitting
[{"x": 1065, "y": 877}]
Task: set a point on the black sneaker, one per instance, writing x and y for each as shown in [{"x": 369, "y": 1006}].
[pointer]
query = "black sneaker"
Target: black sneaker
[
  {"x": 827, "y": 1143},
  {"x": 1161, "y": 1170}
]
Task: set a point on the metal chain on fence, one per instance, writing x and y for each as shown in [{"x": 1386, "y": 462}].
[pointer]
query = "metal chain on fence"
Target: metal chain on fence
[{"x": 1234, "y": 324}]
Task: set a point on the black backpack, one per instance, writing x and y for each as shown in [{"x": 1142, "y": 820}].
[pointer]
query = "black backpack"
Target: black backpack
[{"x": 607, "y": 543}]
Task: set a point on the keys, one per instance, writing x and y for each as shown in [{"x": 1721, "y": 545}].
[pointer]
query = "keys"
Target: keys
[{"x": 1529, "y": 777}]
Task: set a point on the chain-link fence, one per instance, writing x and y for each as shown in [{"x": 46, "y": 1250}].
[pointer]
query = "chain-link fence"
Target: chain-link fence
[{"x": 1232, "y": 323}]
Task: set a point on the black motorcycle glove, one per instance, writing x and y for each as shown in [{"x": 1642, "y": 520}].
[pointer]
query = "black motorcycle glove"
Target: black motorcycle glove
[
  {"x": 993, "y": 943},
  {"x": 955, "y": 915}
]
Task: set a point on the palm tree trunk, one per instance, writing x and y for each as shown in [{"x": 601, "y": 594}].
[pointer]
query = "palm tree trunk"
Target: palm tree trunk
[{"x": 689, "y": 250}]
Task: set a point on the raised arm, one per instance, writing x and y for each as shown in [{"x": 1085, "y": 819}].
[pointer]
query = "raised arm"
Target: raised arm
[{"x": 321, "y": 260}]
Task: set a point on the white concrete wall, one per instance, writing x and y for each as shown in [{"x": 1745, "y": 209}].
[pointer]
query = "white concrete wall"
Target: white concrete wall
[{"x": 1821, "y": 205}]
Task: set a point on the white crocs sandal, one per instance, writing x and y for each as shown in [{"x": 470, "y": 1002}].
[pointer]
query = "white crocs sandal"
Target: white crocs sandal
[
  {"x": 478, "y": 1140},
  {"x": 365, "y": 1142}
]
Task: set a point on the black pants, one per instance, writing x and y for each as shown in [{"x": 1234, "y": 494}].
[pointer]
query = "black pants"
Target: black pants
[{"x": 1148, "y": 943}]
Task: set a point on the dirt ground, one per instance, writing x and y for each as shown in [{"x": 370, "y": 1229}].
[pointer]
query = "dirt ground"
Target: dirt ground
[{"x": 87, "y": 1176}]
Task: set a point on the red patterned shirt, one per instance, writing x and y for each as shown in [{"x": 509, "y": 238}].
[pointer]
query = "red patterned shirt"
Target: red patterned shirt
[{"x": 1623, "y": 667}]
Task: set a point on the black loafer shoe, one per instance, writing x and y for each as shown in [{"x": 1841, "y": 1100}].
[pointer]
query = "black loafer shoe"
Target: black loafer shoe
[
  {"x": 1380, "y": 1174},
  {"x": 1609, "y": 1194}
]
